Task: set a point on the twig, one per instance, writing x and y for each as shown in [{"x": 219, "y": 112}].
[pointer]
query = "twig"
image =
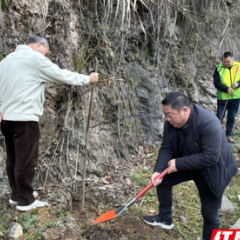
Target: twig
[
  {"x": 228, "y": 20},
  {"x": 54, "y": 231},
  {"x": 86, "y": 142},
  {"x": 67, "y": 152},
  {"x": 60, "y": 157},
  {"x": 142, "y": 201},
  {"x": 44, "y": 27},
  {"x": 69, "y": 106},
  {"x": 49, "y": 167},
  {"x": 74, "y": 185},
  {"x": 65, "y": 194}
]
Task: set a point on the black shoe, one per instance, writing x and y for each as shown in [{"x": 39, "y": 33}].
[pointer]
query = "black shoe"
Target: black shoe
[{"x": 156, "y": 221}]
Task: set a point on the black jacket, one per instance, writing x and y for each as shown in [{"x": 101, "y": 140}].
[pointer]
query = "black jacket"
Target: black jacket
[{"x": 206, "y": 149}]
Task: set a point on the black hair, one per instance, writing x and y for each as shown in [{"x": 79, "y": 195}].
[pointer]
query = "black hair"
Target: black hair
[
  {"x": 38, "y": 38},
  {"x": 177, "y": 101},
  {"x": 227, "y": 54}
]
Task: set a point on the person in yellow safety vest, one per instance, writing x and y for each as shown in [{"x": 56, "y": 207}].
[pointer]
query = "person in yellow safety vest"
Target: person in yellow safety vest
[{"x": 227, "y": 81}]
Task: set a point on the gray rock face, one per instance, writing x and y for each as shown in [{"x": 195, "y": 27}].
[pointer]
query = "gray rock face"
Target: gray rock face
[
  {"x": 1, "y": 174},
  {"x": 227, "y": 206},
  {"x": 15, "y": 231},
  {"x": 149, "y": 110},
  {"x": 177, "y": 31},
  {"x": 4, "y": 186}
]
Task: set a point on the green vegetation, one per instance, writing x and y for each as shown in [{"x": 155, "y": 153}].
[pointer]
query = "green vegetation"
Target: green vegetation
[
  {"x": 50, "y": 224},
  {"x": 62, "y": 213},
  {"x": 27, "y": 221},
  {"x": 127, "y": 125},
  {"x": 3, "y": 4},
  {"x": 82, "y": 58},
  {"x": 186, "y": 202},
  {"x": 4, "y": 219}
]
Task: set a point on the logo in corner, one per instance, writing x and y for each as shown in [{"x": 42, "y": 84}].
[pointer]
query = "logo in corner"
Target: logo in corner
[{"x": 225, "y": 234}]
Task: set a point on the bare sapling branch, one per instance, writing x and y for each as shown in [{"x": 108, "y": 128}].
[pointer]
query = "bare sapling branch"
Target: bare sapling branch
[{"x": 86, "y": 142}]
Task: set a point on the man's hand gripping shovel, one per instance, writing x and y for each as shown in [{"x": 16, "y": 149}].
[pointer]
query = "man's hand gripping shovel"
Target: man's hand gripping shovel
[{"x": 122, "y": 210}]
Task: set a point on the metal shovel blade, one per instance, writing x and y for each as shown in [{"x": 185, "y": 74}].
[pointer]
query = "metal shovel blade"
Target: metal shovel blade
[
  {"x": 111, "y": 214},
  {"x": 122, "y": 210}
]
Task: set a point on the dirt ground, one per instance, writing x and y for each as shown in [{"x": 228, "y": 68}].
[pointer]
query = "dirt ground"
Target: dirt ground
[
  {"x": 105, "y": 194},
  {"x": 116, "y": 190},
  {"x": 81, "y": 226},
  {"x": 128, "y": 226}
]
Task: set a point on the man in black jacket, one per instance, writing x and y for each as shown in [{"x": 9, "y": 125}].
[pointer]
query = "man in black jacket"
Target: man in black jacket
[{"x": 195, "y": 148}]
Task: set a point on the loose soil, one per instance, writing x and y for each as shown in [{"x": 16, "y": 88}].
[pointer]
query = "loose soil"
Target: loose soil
[{"x": 128, "y": 226}]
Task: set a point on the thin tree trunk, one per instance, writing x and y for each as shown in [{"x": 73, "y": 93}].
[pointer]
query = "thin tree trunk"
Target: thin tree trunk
[{"x": 86, "y": 142}]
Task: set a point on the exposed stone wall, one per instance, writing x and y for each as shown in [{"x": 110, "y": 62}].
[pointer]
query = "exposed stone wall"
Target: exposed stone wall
[{"x": 138, "y": 68}]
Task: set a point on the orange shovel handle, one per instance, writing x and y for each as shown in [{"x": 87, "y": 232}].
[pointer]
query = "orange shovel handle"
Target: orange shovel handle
[{"x": 161, "y": 175}]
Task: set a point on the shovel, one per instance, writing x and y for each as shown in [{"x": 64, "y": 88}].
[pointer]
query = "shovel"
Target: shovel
[{"x": 122, "y": 210}]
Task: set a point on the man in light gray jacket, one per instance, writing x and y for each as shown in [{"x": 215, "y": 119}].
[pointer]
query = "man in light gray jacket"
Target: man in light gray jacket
[{"x": 23, "y": 75}]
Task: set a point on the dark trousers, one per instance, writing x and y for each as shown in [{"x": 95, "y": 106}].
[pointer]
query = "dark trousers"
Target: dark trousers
[
  {"x": 232, "y": 108},
  {"x": 21, "y": 140},
  {"x": 210, "y": 204}
]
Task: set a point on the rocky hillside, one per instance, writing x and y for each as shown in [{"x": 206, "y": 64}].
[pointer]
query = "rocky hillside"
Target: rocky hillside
[{"x": 144, "y": 49}]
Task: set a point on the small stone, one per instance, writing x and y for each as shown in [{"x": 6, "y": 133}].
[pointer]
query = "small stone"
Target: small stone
[
  {"x": 140, "y": 150},
  {"x": 238, "y": 197},
  {"x": 90, "y": 222},
  {"x": 183, "y": 220},
  {"x": 15, "y": 231},
  {"x": 227, "y": 206},
  {"x": 127, "y": 180},
  {"x": 68, "y": 222},
  {"x": 102, "y": 188},
  {"x": 1, "y": 174},
  {"x": 123, "y": 238}
]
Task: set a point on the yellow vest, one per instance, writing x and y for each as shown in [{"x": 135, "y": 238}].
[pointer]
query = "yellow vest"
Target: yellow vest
[{"x": 228, "y": 77}]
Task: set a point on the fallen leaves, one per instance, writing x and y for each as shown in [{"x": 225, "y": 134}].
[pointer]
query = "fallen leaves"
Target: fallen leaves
[{"x": 152, "y": 211}]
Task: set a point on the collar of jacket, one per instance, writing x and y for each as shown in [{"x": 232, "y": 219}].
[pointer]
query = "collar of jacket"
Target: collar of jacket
[
  {"x": 186, "y": 125},
  {"x": 233, "y": 65},
  {"x": 23, "y": 47}
]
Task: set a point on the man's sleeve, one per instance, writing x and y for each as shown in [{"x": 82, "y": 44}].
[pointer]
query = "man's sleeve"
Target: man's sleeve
[
  {"x": 210, "y": 148},
  {"x": 166, "y": 151},
  {"x": 217, "y": 82},
  {"x": 238, "y": 82},
  {"x": 50, "y": 72}
]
